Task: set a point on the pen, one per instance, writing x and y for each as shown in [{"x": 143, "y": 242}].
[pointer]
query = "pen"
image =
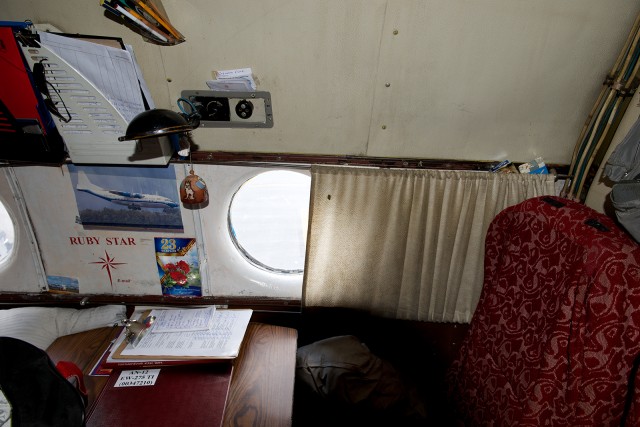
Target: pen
[{"x": 140, "y": 23}]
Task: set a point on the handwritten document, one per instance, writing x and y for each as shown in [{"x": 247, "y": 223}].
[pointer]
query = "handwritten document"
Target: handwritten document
[
  {"x": 222, "y": 340},
  {"x": 186, "y": 320},
  {"x": 112, "y": 71}
]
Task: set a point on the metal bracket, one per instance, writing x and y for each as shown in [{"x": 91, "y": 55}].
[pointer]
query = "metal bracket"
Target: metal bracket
[{"x": 220, "y": 109}]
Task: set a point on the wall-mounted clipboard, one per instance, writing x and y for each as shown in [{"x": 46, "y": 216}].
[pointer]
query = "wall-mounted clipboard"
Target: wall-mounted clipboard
[{"x": 88, "y": 121}]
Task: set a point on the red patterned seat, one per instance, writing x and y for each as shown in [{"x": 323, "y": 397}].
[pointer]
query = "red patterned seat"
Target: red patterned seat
[{"x": 557, "y": 329}]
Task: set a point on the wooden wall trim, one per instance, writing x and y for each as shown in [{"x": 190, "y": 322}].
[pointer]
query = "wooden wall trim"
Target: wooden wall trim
[
  {"x": 15, "y": 299},
  {"x": 246, "y": 158},
  {"x": 306, "y": 160}
]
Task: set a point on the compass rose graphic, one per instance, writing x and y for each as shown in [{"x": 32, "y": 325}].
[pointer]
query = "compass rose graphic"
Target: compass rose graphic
[{"x": 108, "y": 263}]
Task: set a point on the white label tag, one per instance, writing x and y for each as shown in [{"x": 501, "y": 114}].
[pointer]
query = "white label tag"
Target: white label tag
[{"x": 137, "y": 378}]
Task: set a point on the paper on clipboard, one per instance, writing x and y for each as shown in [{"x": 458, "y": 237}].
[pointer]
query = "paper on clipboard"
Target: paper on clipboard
[
  {"x": 222, "y": 341},
  {"x": 97, "y": 119},
  {"x": 111, "y": 70},
  {"x": 184, "y": 320}
]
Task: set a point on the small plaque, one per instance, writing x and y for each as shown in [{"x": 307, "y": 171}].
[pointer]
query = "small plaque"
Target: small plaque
[{"x": 137, "y": 378}]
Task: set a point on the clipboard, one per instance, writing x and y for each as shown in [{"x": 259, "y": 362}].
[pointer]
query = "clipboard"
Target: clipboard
[
  {"x": 240, "y": 329},
  {"x": 91, "y": 134},
  {"x": 117, "y": 353}
]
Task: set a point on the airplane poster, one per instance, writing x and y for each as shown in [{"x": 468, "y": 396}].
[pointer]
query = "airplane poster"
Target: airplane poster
[{"x": 127, "y": 197}]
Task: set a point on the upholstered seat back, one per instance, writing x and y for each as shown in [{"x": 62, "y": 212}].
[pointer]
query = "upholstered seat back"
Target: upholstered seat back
[{"x": 557, "y": 328}]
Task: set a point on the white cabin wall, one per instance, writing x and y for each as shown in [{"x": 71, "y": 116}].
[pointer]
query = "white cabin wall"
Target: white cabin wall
[
  {"x": 70, "y": 250},
  {"x": 482, "y": 80},
  {"x": 490, "y": 79}
]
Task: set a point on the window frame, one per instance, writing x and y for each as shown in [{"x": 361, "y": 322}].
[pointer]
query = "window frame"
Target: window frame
[
  {"x": 243, "y": 251},
  {"x": 23, "y": 269},
  {"x": 230, "y": 273}
]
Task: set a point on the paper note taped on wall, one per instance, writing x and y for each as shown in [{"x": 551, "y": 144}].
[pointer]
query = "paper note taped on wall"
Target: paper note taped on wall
[{"x": 237, "y": 80}]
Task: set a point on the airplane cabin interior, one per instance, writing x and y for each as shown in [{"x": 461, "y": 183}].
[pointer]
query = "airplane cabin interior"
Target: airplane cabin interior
[{"x": 319, "y": 213}]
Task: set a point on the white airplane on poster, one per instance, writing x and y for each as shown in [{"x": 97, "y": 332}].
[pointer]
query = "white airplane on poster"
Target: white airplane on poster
[{"x": 131, "y": 200}]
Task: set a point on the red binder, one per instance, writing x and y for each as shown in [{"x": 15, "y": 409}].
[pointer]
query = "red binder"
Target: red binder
[
  {"x": 189, "y": 395},
  {"x": 27, "y": 130},
  {"x": 17, "y": 92}
]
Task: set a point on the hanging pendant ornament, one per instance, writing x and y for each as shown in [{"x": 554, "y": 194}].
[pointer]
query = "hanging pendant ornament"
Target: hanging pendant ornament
[{"x": 193, "y": 190}]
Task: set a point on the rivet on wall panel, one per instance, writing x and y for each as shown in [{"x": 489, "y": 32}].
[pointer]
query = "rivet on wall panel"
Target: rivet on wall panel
[
  {"x": 387, "y": 84},
  {"x": 395, "y": 32},
  {"x": 384, "y": 127}
]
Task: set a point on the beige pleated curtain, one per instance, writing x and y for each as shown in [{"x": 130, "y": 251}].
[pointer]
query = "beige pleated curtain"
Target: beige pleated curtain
[{"x": 405, "y": 244}]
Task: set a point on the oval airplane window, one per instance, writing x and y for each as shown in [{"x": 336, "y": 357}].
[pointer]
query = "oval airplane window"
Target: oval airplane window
[
  {"x": 7, "y": 234},
  {"x": 268, "y": 218}
]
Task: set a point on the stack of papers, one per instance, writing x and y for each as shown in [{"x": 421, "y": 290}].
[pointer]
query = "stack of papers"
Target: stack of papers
[
  {"x": 182, "y": 336},
  {"x": 113, "y": 71},
  {"x": 182, "y": 320},
  {"x": 238, "y": 80}
]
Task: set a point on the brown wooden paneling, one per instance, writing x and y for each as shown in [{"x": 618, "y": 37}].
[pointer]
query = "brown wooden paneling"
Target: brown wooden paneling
[{"x": 263, "y": 377}]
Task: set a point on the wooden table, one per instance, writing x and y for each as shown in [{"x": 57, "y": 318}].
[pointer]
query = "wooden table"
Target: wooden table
[{"x": 261, "y": 390}]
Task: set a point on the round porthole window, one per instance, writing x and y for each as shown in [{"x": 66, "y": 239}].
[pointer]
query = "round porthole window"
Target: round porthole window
[
  {"x": 7, "y": 234},
  {"x": 268, "y": 218}
]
